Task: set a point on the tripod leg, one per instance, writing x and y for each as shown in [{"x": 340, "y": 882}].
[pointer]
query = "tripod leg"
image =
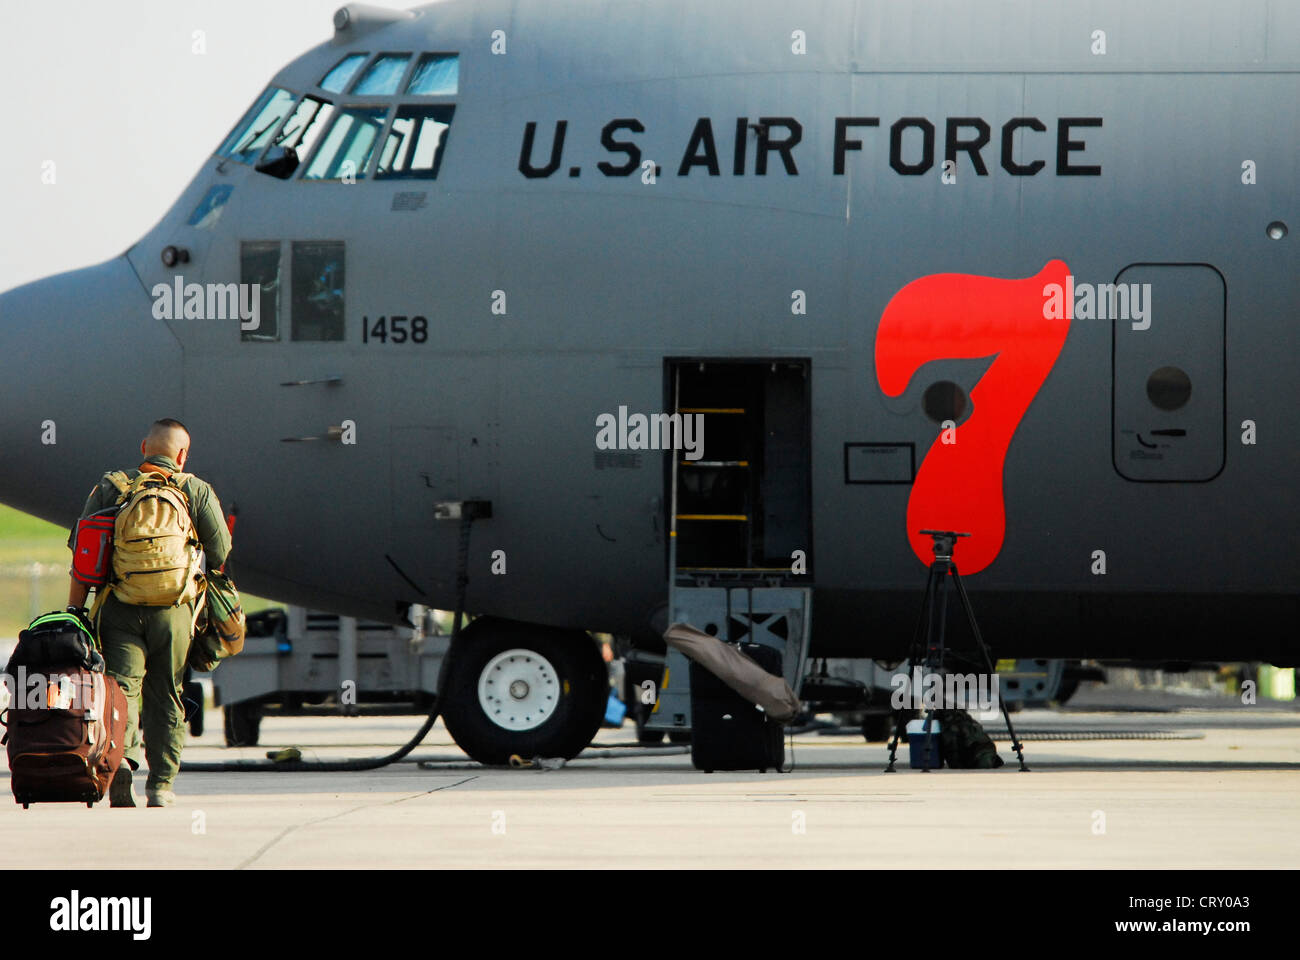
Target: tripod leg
[
  {"x": 915, "y": 655},
  {"x": 935, "y": 643},
  {"x": 893, "y": 744},
  {"x": 979, "y": 639}
]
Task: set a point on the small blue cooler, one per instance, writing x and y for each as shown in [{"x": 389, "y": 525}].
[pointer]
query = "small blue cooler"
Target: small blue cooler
[
  {"x": 916, "y": 739},
  {"x": 615, "y": 711}
]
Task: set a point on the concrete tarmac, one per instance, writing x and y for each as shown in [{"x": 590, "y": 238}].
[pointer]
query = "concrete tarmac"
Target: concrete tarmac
[{"x": 1222, "y": 795}]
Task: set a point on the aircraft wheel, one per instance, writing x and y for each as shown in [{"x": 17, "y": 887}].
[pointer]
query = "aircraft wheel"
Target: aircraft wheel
[
  {"x": 1066, "y": 690},
  {"x": 243, "y": 723},
  {"x": 649, "y": 737},
  {"x": 516, "y": 688},
  {"x": 878, "y": 727}
]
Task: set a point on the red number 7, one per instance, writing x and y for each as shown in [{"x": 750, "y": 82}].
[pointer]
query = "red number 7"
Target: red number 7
[{"x": 959, "y": 316}]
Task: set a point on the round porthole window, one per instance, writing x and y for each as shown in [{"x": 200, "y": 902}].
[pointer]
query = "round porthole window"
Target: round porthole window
[
  {"x": 944, "y": 400},
  {"x": 1169, "y": 388}
]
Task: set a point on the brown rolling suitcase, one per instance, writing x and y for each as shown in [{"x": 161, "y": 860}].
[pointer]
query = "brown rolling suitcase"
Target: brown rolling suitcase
[
  {"x": 69, "y": 747},
  {"x": 66, "y": 722}
]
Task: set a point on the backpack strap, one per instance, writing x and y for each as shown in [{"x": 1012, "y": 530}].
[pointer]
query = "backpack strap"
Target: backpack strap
[
  {"x": 158, "y": 478},
  {"x": 199, "y": 602},
  {"x": 121, "y": 482},
  {"x": 101, "y": 594},
  {"x": 176, "y": 480}
]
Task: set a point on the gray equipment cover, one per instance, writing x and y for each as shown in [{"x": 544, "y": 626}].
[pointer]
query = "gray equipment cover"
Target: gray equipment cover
[{"x": 738, "y": 671}]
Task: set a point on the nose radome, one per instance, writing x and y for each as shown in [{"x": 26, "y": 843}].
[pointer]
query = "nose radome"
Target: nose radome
[{"x": 84, "y": 368}]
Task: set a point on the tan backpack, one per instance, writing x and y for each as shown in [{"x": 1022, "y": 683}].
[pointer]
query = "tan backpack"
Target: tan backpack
[{"x": 157, "y": 554}]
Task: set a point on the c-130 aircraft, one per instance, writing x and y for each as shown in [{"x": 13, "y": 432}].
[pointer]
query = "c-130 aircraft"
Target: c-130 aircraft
[{"x": 1003, "y": 270}]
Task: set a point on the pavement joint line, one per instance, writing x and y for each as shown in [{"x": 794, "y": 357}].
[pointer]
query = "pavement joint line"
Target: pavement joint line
[{"x": 342, "y": 813}]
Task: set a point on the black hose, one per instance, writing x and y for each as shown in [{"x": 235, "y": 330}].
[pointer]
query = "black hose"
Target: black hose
[
  {"x": 369, "y": 763},
  {"x": 1101, "y": 734},
  {"x": 318, "y": 766}
]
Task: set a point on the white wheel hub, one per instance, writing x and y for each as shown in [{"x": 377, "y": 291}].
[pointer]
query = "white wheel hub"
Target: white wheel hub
[{"x": 519, "y": 689}]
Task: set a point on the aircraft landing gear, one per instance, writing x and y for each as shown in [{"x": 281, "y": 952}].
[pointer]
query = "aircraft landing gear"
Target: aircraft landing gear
[
  {"x": 518, "y": 688},
  {"x": 243, "y": 723}
]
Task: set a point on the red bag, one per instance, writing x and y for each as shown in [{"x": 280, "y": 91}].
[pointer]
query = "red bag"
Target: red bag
[{"x": 92, "y": 549}]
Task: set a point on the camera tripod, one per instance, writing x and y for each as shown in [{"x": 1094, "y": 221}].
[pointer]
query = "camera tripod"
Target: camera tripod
[{"x": 929, "y": 640}]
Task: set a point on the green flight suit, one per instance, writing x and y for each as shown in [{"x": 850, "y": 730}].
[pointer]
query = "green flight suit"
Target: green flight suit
[{"x": 145, "y": 648}]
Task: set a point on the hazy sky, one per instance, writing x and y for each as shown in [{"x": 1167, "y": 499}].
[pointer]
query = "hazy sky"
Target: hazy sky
[{"x": 114, "y": 95}]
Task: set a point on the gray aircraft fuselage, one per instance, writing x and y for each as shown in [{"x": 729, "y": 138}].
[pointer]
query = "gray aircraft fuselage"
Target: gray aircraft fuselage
[{"x": 627, "y": 185}]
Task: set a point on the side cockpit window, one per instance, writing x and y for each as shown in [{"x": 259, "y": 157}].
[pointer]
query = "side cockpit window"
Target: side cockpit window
[
  {"x": 414, "y": 145},
  {"x": 254, "y": 132}
]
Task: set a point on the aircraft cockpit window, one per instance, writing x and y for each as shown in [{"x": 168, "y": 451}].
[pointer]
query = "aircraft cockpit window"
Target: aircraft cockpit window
[
  {"x": 305, "y": 125},
  {"x": 337, "y": 79},
  {"x": 437, "y": 74},
  {"x": 383, "y": 76},
  {"x": 345, "y": 150},
  {"x": 413, "y": 149},
  {"x": 254, "y": 131}
]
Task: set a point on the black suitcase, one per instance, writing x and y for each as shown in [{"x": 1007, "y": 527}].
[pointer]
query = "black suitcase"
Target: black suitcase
[{"x": 727, "y": 731}]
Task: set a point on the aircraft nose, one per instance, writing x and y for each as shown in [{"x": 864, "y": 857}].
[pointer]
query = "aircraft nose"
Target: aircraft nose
[{"x": 84, "y": 369}]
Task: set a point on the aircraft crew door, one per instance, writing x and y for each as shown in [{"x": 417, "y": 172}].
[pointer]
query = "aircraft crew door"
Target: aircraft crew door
[{"x": 740, "y": 556}]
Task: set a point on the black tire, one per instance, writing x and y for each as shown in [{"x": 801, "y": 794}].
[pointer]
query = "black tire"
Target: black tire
[
  {"x": 649, "y": 737},
  {"x": 243, "y": 723},
  {"x": 878, "y": 727},
  {"x": 576, "y": 714},
  {"x": 1068, "y": 688}
]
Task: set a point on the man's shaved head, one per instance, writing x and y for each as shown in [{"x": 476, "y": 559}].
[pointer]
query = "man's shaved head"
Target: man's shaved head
[{"x": 168, "y": 438}]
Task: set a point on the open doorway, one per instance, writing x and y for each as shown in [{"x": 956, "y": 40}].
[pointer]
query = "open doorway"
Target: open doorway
[{"x": 743, "y": 506}]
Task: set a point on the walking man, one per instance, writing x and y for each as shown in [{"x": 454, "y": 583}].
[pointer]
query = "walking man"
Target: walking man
[{"x": 169, "y": 524}]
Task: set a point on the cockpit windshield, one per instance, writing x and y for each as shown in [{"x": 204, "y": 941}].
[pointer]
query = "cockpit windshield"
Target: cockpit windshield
[
  {"x": 318, "y": 138},
  {"x": 343, "y": 72},
  {"x": 302, "y": 128},
  {"x": 345, "y": 151},
  {"x": 254, "y": 131},
  {"x": 382, "y": 77}
]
